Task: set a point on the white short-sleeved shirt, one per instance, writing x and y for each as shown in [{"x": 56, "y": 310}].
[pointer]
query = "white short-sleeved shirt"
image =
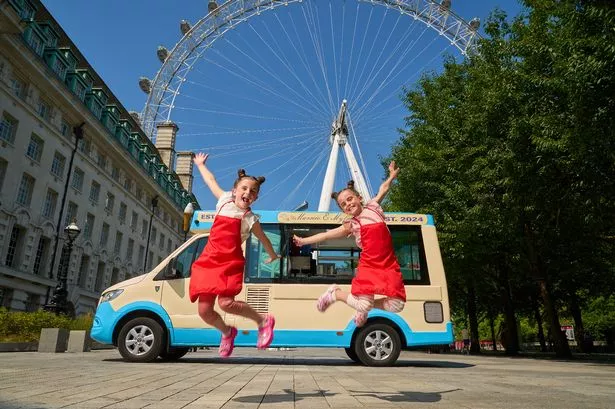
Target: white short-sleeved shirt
[
  {"x": 224, "y": 208},
  {"x": 374, "y": 215}
]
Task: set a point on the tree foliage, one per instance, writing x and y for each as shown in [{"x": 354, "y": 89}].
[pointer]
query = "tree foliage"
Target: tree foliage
[{"x": 513, "y": 152}]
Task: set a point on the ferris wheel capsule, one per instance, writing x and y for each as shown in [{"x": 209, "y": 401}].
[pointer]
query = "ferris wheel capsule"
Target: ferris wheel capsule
[
  {"x": 162, "y": 53},
  {"x": 445, "y": 5},
  {"x": 212, "y": 6},
  {"x": 185, "y": 26},
  {"x": 145, "y": 84},
  {"x": 475, "y": 24},
  {"x": 135, "y": 116}
]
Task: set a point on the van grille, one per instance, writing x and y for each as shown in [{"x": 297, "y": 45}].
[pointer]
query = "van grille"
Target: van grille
[{"x": 258, "y": 298}]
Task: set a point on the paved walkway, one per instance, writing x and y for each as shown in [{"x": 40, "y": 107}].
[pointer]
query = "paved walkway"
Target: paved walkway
[{"x": 303, "y": 378}]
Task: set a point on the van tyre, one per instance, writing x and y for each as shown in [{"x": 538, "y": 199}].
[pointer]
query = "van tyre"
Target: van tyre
[
  {"x": 352, "y": 354},
  {"x": 174, "y": 353},
  {"x": 141, "y": 340},
  {"x": 377, "y": 344}
]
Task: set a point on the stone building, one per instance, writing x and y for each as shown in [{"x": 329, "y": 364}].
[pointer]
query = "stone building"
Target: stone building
[{"x": 118, "y": 186}]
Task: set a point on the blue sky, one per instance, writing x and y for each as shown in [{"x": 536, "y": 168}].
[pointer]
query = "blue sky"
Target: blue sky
[{"x": 263, "y": 97}]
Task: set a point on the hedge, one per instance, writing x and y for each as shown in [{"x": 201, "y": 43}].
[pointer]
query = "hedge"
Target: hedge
[{"x": 26, "y": 326}]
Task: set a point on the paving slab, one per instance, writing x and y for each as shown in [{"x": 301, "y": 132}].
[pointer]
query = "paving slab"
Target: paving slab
[{"x": 299, "y": 379}]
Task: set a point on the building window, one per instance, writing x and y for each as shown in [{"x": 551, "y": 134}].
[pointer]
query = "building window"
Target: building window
[
  {"x": 8, "y": 128},
  {"x": 43, "y": 109},
  {"x": 59, "y": 68},
  {"x": 115, "y": 173},
  {"x": 143, "y": 229},
  {"x": 49, "y": 207},
  {"x": 6, "y": 295},
  {"x": 14, "y": 244},
  {"x": 169, "y": 245},
  {"x": 65, "y": 128},
  {"x": 161, "y": 243},
  {"x": 101, "y": 160},
  {"x": 100, "y": 277},
  {"x": 79, "y": 90},
  {"x": 139, "y": 194},
  {"x": 122, "y": 215},
  {"x": 89, "y": 226},
  {"x": 128, "y": 184},
  {"x": 18, "y": 87},
  {"x": 57, "y": 165},
  {"x": 154, "y": 234},
  {"x": 84, "y": 269},
  {"x": 141, "y": 256},
  {"x": 85, "y": 146},
  {"x": 118, "y": 242},
  {"x": 150, "y": 257},
  {"x": 104, "y": 235},
  {"x": 36, "y": 43},
  {"x": 41, "y": 254},
  {"x": 33, "y": 301},
  {"x": 71, "y": 213},
  {"x": 24, "y": 194},
  {"x": 3, "y": 165},
  {"x": 133, "y": 220},
  {"x": 109, "y": 203},
  {"x": 94, "y": 191},
  {"x": 35, "y": 148},
  {"x": 115, "y": 275},
  {"x": 129, "y": 250},
  {"x": 78, "y": 176}
]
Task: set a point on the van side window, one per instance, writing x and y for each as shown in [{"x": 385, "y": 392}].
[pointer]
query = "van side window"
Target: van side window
[
  {"x": 256, "y": 269},
  {"x": 184, "y": 260},
  {"x": 410, "y": 253}
]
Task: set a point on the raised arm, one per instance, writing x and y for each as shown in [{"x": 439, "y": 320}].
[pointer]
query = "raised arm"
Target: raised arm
[
  {"x": 386, "y": 185},
  {"x": 209, "y": 178},
  {"x": 337, "y": 233},
  {"x": 262, "y": 237}
]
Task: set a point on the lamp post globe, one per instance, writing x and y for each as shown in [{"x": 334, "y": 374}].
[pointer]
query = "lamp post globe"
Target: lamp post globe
[
  {"x": 188, "y": 212},
  {"x": 72, "y": 231}
]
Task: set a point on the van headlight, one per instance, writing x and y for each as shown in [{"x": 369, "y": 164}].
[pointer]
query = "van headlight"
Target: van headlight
[{"x": 110, "y": 295}]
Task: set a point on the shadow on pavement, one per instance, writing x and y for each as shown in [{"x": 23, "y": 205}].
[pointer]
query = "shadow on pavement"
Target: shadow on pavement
[
  {"x": 290, "y": 396},
  {"x": 315, "y": 361}
]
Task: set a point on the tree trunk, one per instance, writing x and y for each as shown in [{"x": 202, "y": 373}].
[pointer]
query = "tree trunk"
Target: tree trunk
[
  {"x": 560, "y": 343},
  {"x": 473, "y": 317},
  {"x": 492, "y": 327},
  {"x": 541, "y": 332},
  {"x": 562, "y": 350},
  {"x": 510, "y": 320},
  {"x": 579, "y": 330}
]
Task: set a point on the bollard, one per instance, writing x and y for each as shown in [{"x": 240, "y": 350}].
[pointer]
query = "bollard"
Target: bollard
[
  {"x": 79, "y": 341},
  {"x": 53, "y": 340}
]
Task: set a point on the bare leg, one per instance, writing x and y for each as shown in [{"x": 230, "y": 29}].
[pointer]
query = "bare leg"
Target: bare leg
[
  {"x": 232, "y": 306},
  {"x": 211, "y": 317}
]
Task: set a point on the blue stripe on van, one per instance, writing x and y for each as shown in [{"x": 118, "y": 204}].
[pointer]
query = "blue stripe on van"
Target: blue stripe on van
[
  {"x": 106, "y": 319},
  {"x": 311, "y": 338}
]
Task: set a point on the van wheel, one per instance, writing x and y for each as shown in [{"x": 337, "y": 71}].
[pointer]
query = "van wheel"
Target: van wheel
[
  {"x": 174, "y": 353},
  {"x": 141, "y": 340},
  {"x": 377, "y": 344},
  {"x": 352, "y": 354}
]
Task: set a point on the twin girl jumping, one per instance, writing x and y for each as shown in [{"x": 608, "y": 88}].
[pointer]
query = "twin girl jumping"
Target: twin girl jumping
[{"x": 218, "y": 272}]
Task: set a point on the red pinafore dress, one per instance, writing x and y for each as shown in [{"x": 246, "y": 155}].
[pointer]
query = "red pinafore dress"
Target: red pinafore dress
[
  {"x": 378, "y": 271},
  {"x": 219, "y": 268}
]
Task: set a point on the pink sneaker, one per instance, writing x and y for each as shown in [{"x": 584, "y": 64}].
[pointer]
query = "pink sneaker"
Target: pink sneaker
[
  {"x": 265, "y": 332},
  {"x": 227, "y": 343},
  {"x": 360, "y": 318},
  {"x": 326, "y": 299}
]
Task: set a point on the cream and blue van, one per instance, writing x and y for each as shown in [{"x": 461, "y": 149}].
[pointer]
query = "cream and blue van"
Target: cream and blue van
[{"x": 151, "y": 316}]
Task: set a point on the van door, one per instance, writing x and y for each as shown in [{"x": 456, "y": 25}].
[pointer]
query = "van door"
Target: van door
[{"x": 175, "y": 297}]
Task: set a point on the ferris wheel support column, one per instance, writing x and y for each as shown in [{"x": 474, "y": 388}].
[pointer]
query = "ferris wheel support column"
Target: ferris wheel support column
[
  {"x": 327, "y": 184},
  {"x": 356, "y": 173}
]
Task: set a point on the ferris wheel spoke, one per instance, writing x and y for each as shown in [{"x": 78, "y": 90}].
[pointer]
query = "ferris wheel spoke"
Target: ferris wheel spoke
[
  {"x": 350, "y": 62},
  {"x": 319, "y": 159}
]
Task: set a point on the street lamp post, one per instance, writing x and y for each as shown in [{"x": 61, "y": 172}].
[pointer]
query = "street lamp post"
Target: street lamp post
[
  {"x": 149, "y": 231},
  {"x": 58, "y": 302},
  {"x": 188, "y": 212}
]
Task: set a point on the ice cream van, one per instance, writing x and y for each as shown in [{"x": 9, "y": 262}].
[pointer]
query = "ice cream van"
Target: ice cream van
[{"x": 150, "y": 316}]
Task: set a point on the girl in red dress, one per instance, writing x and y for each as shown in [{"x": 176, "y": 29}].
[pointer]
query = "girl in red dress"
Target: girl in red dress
[
  {"x": 378, "y": 272},
  {"x": 218, "y": 272}
]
